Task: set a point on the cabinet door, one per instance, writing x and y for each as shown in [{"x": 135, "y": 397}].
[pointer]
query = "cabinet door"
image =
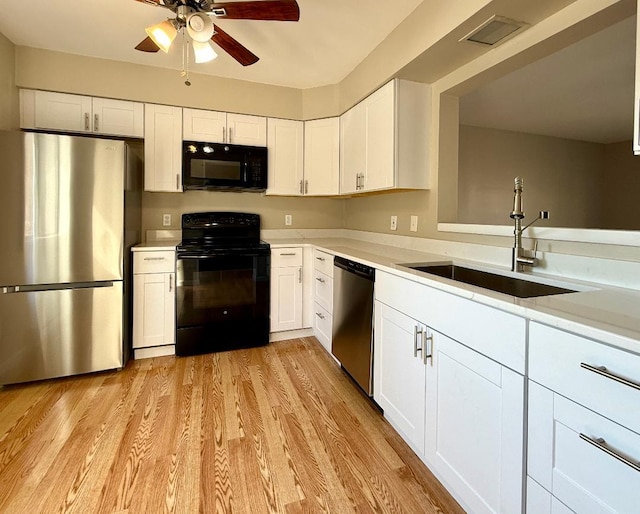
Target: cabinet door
[
  {"x": 162, "y": 148},
  {"x": 153, "y": 309},
  {"x": 474, "y": 427},
  {"x": 118, "y": 117},
  {"x": 285, "y": 149},
  {"x": 352, "y": 148},
  {"x": 60, "y": 111},
  {"x": 380, "y": 144},
  {"x": 585, "y": 460},
  {"x": 399, "y": 373},
  {"x": 322, "y": 157},
  {"x": 286, "y": 298},
  {"x": 322, "y": 326},
  {"x": 246, "y": 130},
  {"x": 205, "y": 126}
]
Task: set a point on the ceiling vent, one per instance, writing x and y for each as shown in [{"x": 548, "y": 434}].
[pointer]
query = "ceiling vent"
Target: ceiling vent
[{"x": 494, "y": 31}]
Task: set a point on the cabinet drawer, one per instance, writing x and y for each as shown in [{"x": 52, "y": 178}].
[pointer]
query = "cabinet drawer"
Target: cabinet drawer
[
  {"x": 571, "y": 365},
  {"x": 284, "y": 257},
  {"x": 322, "y": 326},
  {"x": 323, "y": 262},
  {"x": 323, "y": 290},
  {"x": 579, "y": 456},
  {"x": 154, "y": 262}
]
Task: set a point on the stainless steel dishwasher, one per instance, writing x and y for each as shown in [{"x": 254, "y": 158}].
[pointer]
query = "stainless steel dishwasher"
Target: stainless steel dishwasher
[{"x": 352, "y": 342}]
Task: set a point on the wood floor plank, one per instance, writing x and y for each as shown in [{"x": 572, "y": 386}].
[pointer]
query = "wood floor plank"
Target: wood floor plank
[{"x": 276, "y": 429}]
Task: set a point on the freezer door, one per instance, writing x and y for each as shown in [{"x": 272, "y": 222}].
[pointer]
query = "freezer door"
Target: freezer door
[
  {"x": 60, "y": 332},
  {"x": 62, "y": 204}
]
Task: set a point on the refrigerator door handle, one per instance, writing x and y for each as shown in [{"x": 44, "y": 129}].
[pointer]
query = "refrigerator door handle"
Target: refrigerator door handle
[{"x": 54, "y": 287}]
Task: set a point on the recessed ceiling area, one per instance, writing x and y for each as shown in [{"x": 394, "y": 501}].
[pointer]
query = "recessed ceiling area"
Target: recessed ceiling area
[{"x": 584, "y": 91}]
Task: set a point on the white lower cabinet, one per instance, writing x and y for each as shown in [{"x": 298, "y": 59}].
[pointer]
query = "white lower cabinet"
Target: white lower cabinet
[
  {"x": 475, "y": 427},
  {"x": 154, "y": 282},
  {"x": 399, "y": 374},
  {"x": 583, "y": 431},
  {"x": 286, "y": 289},
  {"x": 460, "y": 410},
  {"x": 322, "y": 287}
]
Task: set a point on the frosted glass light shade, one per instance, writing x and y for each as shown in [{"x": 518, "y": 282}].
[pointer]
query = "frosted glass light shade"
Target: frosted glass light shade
[
  {"x": 162, "y": 34},
  {"x": 203, "y": 52}
]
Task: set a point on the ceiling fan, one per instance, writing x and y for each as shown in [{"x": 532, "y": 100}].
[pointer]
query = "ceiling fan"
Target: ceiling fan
[{"x": 195, "y": 18}]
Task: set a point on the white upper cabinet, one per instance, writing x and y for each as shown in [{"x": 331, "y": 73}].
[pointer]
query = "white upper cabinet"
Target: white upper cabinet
[
  {"x": 385, "y": 139},
  {"x": 322, "y": 157},
  {"x": 222, "y": 127},
  {"x": 205, "y": 126},
  {"x": 163, "y": 148},
  {"x": 285, "y": 148},
  {"x": 82, "y": 114},
  {"x": 304, "y": 157}
]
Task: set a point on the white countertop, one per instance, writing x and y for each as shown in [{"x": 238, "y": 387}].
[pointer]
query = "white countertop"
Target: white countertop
[
  {"x": 604, "y": 313},
  {"x": 150, "y": 246}
]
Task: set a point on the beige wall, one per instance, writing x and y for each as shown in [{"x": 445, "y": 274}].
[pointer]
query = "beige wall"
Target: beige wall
[
  {"x": 9, "y": 117},
  {"x": 306, "y": 212},
  {"x": 561, "y": 176},
  {"x": 620, "y": 197}
]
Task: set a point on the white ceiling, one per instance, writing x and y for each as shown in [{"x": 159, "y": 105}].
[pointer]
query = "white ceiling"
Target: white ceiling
[
  {"x": 331, "y": 38},
  {"x": 583, "y": 92}
]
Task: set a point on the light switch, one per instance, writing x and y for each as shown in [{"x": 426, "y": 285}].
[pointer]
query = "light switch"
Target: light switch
[
  {"x": 394, "y": 223},
  {"x": 414, "y": 224}
]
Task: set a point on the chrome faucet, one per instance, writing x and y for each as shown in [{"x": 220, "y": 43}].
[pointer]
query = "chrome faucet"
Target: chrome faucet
[{"x": 518, "y": 258}]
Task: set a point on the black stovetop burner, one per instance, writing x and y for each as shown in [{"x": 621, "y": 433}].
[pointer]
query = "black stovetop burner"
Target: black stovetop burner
[{"x": 211, "y": 231}]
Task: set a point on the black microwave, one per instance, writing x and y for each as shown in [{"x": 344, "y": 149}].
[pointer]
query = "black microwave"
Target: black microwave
[{"x": 219, "y": 166}]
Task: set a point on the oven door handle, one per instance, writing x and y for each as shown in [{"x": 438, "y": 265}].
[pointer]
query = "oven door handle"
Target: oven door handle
[{"x": 221, "y": 254}]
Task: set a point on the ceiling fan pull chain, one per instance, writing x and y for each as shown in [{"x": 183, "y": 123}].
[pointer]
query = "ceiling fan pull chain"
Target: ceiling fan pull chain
[{"x": 185, "y": 58}]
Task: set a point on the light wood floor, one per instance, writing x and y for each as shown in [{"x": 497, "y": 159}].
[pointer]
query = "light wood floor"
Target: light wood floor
[{"x": 273, "y": 429}]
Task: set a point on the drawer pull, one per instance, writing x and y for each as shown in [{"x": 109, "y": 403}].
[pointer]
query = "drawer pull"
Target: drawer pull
[
  {"x": 154, "y": 258},
  {"x": 602, "y": 370},
  {"x": 321, "y": 316},
  {"x": 292, "y": 254},
  {"x": 601, "y": 444},
  {"x": 426, "y": 355},
  {"x": 321, "y": 280},
  {"x": 321, "y": 259}
]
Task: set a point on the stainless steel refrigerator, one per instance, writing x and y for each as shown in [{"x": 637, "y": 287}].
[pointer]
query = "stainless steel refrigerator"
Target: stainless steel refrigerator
[{"x": 64, "y": 304}]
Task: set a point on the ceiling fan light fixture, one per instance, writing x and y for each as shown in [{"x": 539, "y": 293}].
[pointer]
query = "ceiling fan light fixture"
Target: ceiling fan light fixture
[
  {"x": 199, "y": 27},
  {"x": 203, "y": 52},
  {"x": 162, "y": 34}
]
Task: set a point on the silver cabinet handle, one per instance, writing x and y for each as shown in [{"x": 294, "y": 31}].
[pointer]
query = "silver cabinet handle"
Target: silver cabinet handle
[
  {"x": 299, "y": 275},
  {"x": 224, "y": 134},
  {"x": 320, "y": 315},
  {"x": 321, "y": 280},
  {"x": 602, "y": 370},
  {"x": 86, "y": 121},
  {"x": 177, "y": 181},
  {"x": 357, "y": 181},
  {"x": 153, "y": 258},
  {"x": 306, "y": 187},
  {"x": 415, "y": 340},
  {"x": 230, "y": 135},
  {"x": 320, "y": 259},
  {"x": 170, "y": 283},
  {"x": 95, "y": 123},
  {"x": 291, "y": 254},
  {"x": 301, "y": 188},
  {"x": 427, "y": 354},
  {"x": 601, "y": 444}
]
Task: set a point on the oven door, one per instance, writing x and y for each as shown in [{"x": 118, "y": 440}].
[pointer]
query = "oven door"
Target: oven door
[{"x": 222, "y": 301}]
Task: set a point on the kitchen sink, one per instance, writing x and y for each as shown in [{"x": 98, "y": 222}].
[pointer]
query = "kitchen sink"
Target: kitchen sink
[{"x": 493, "y": 281}]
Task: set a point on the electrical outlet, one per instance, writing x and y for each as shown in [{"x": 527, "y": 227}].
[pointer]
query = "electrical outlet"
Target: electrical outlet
[
  {"x": 288, "y": 219},
  {"x": 394, "y": 223},
  {"x": 166, "y": 220},
  {"x": 414, "y": 224}
]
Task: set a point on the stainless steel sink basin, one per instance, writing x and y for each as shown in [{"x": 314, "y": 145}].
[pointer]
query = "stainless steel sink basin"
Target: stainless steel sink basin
[{"x": 499, "y": 283}]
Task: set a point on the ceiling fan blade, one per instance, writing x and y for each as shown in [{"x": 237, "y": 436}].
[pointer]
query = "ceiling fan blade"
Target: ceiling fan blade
[
  {"x": 276, "y": 10},
  {"x": 233, "y": 48},
  {"x": 147, "y": 45}
]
